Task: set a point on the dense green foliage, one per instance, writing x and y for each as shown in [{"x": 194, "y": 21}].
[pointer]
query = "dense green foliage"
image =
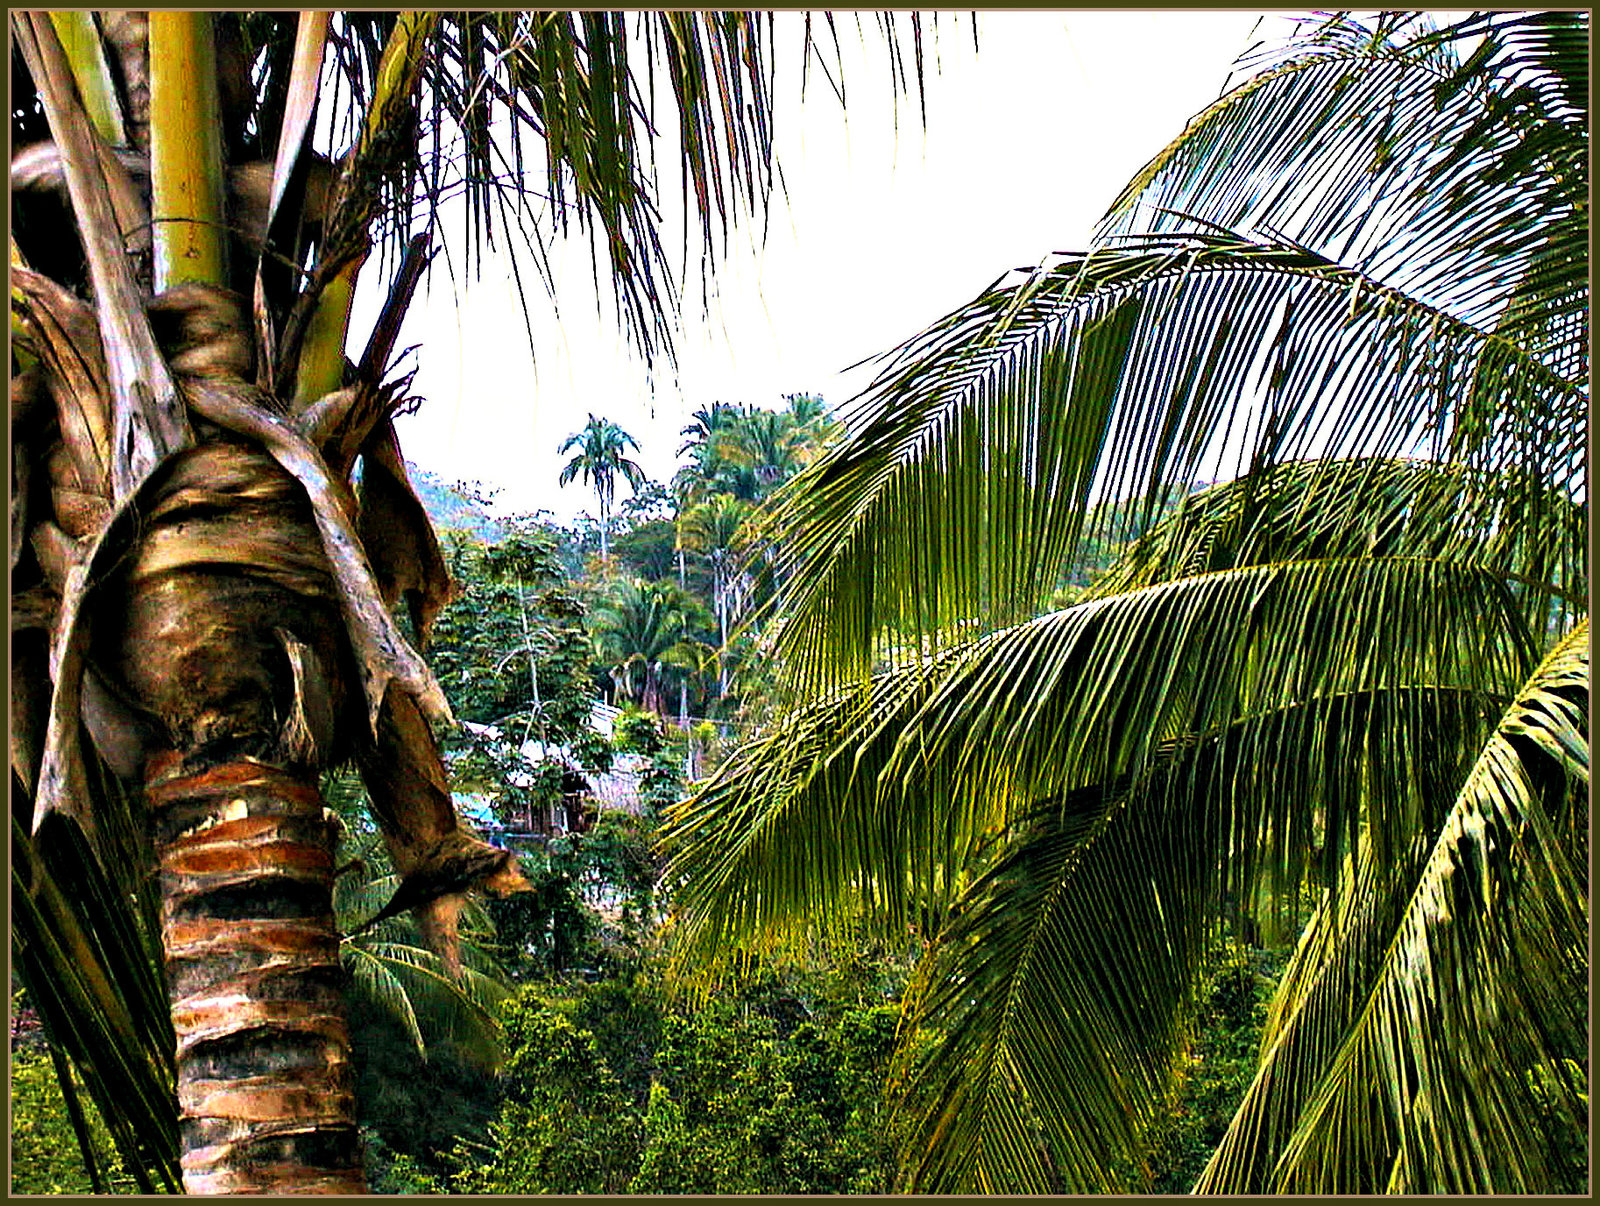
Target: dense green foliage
[
  {"x": 45, "y": 1157},
  {"x": 1353, "y": 671},
  {"x": 616, "y": 1089},
  {"x": 1341, "y": 694}
]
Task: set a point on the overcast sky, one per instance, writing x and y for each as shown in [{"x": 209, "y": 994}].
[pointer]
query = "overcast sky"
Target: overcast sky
[{"x": 1027, "y": 142}]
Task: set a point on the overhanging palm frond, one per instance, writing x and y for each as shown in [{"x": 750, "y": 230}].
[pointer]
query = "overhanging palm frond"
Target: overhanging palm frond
[
  {"x": 962, "y": 489},
  {"x": 412, "y": 985},
  {"x": 879, "y": 797},
  {"x": 547, "y": 122},
  {"x": 1419, "y": 1055},
  {"x": 394, "y": 974},
  {"x": 1056, "y": 995},
  {"x": 1375, "y": 145},
  {"x": 1532, "y": 537}
]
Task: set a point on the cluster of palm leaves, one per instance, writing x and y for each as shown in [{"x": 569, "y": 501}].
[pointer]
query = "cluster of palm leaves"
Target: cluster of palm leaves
[
  {"x": 601, "y": 458},
  {"x": 392, "y": 970},
  {"x": 649, "y": 636},
  {"x": 1354, "y": 673},
  {"x": 740, "y": 456},
  {"x": 747, "y": 452}
]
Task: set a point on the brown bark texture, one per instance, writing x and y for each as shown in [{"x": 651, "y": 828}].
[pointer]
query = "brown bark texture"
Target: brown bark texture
[
  {"x": 204, "y": 608},
  {"x": 265, "y": 1084},
  {"x": 225, "y": 649}
]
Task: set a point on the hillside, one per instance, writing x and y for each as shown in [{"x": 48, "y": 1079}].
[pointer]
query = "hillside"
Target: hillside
[{"x": 450, "y": 509}]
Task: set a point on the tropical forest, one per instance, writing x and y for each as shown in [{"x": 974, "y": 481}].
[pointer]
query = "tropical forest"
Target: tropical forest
[{"x": 1138, "y": 743}]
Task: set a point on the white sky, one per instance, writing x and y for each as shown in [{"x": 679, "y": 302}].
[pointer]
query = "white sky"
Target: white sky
[{"x": 1027, "y": 143}]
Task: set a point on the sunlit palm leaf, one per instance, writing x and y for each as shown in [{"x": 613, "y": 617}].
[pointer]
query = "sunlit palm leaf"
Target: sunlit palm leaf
[
  {"x": 1407, "y": 1058},
  {"x": 1410, "y": 238},
  {"x": 958, "y": 497},
  {"x": 1532, "y": 537},
  {"x": 879, "y": 797},
  {"x": 1056, "y": 994},
  {"x": 1357, "y": 286},
  {"x": 1378, "y": 147}
]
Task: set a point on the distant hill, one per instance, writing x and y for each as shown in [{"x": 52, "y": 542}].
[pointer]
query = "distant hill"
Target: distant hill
[{"x": 450, "y": 510}]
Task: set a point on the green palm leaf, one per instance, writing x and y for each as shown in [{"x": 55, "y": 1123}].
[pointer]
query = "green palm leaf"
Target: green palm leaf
[
  {"x": 1530, "y": 536},
  {"x": 1380, "y": 148},
  {"x": 1126, "y": 373},
  {"x": 1057, "y": 993},
  {"x": 1355, "y": 290},
  {"x": 879, "y": 797},
  {"x": 93, "y": 974},
  {"x": 1403, "y": 272},
  {"x": 551, "y": 122},
  {"x": 1410, "y": 1062}
]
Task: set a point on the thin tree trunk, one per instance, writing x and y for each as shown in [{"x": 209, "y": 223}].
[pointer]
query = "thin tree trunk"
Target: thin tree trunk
[{"x": 721, "y": 592}]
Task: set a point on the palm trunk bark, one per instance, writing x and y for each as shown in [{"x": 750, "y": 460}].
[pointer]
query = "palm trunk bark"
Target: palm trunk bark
[
  {"x": 228, "y": 640},
  {"x": 265, "y": 1084}
]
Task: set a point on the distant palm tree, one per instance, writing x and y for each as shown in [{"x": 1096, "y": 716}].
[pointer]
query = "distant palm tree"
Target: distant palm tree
[
  {"x": 642, "y": 634},
  {"x": 763, "y": 443},
  {"x": 708, "y": 420},
  {"x": 1355, "y": 672},
  {"x": 711, "y": 528},
  {"x": 814, "y": 427},
  {"x": 708, "y": 471},
  {"x": 600, "y": 458}
]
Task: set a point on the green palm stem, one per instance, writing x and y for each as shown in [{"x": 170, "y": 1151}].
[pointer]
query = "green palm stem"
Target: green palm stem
[
  {"x": 320, "y": 368},
  {"x": 80, "y": 42},
  {"x": 186, "y": 176}
]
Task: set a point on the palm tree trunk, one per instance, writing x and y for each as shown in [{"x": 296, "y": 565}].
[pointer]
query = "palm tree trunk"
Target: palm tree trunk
[
  {"x": 229, "y": 637},
  {"x": 720, "y": 589},
  {"x": 265, "y": 1084}
]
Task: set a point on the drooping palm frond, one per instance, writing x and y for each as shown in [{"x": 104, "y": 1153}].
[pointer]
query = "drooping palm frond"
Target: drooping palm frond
[
  {"x": 1530, "y": 536},
  {"x": 91, "y": 965},
  {"x": 1355, "y": 287},
  {"x": 411, "y": 984},
  {"x": 1420, "y": 1049},
  {"x": 393, "y": 973},
  {"x": 1377, "y": 146},
  {"x": 546, "y": 122},
  {"x": 1056, "y": 994},
  {"x": 879, "y": 798}
]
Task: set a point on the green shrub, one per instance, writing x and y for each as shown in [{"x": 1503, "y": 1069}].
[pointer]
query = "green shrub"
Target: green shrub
[
  {"x": 45, "y": 1158},
  {"x": 615, "y": 1088}
]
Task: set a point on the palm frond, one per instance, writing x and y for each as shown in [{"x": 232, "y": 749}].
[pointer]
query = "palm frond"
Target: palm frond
[
  {"x": 394, "y": 974},
  {"x": 1056, "y": 995},
  {"x": 1376, "y": 146},
  {"x": 412, "y": 985},
  {"x": 961, "y": 491},
  {"x": 1532, "y": 537},
  {"x": 582, "y": 111},
  {"x": 1414, "y": 1056},
  {"x": 93, "y": 973},
  {"x": 877, "y": 797}
]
